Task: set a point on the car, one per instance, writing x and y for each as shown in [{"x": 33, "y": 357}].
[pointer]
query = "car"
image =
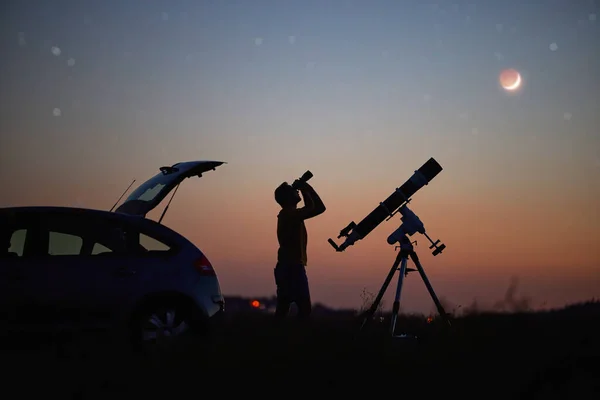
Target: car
[{"x": 77, "y": 268}]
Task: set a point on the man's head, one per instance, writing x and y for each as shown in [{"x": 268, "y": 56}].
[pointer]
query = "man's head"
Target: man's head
[{"x": 286, "y": 195}]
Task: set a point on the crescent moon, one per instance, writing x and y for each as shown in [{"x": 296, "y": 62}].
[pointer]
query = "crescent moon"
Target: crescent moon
[{"x": 514, "y": 85}]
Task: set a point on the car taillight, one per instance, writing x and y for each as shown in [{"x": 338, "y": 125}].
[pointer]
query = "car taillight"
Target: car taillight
[{"x": 204, "y": 267}]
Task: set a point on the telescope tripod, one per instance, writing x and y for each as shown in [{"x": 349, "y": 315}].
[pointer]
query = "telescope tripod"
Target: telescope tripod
[{"x": 400, "y": 264}]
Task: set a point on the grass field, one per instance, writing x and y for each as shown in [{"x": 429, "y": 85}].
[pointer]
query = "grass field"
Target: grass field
[{"x": 526, "y": 355}]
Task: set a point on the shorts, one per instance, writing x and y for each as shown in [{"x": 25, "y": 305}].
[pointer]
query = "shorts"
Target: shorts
[{"x": 292, "y": 282}]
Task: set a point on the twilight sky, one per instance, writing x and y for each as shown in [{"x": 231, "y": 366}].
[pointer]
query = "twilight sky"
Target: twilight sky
[{"x": 362, "y": 93}]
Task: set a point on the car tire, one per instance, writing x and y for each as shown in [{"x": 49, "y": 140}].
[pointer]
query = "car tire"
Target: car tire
[{"x": 164, "y": 325}]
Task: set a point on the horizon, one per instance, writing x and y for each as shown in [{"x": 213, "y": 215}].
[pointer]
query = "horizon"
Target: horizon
[
  {"x": 457, "y": 311},
  {"x": 361, "y": 94}
]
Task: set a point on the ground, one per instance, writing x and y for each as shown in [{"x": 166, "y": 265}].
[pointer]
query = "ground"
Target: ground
[{"x": 508, "y": 356}]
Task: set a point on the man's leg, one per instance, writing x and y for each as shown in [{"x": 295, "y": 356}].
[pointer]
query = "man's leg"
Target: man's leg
[
  {"x": 282, "y": 308},
  {"x": 282, "y": 282},
  {"x": 302, "y": 292},
  {"x": 304, "y": 308}
]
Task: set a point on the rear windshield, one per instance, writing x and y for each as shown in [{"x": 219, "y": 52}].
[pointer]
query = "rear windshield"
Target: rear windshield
[{"x": 150, "y": 189}]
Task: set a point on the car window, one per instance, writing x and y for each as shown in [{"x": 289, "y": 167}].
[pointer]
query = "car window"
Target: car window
[
  {"x": 81, "y": 235},
  {"x": 152, "y": 244},
  {"x": 17, "y": 242},
  {"x": 18, "y": 233},
  {"x": 100, "y": 249},
  {"x": 64, "y": 244}
]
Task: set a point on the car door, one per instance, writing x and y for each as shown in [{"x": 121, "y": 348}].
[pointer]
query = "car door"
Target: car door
[
  {"x": 135, "y": 271},
  {"x": 91, "y": 274},
  {"x": 114, "y": 275},
  {"x": 19, "y": 296}
]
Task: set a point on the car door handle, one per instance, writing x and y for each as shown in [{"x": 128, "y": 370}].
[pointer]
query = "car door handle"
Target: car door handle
[{"x": 124, "y": 272}]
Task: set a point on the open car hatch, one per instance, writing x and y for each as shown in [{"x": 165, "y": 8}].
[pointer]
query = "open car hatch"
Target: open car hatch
[{"x": 149, "y": 194}]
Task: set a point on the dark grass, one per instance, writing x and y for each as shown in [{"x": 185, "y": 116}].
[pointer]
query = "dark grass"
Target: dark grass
[{"x": 520, "y": 355}]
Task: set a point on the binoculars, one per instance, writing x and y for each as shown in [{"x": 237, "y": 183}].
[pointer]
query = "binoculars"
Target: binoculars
[{"x": 304, "y": 178}]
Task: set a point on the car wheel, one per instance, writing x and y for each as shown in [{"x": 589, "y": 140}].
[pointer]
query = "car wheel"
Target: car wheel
[{"x": 163, "y": 326}]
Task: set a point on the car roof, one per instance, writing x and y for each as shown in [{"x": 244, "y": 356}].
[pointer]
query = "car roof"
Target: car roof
[
  {"x": 138, "y": 222},
  {"x": 135, "y": 220},
  {"x": 79, "y": 210}
]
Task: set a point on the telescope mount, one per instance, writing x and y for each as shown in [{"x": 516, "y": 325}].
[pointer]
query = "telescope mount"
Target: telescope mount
[{"x": 410, "y": 225}]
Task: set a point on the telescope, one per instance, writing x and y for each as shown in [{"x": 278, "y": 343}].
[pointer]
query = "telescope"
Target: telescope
[
  {"x": 397, "y": 202},
  {"x": 389, "y": 207}
]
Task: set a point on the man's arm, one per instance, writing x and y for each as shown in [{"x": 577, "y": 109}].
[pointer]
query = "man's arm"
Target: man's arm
[{"x": 313, "y": 205}]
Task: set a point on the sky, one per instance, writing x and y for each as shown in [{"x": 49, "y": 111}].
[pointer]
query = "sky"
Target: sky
[{"x": 361, "y": 93}]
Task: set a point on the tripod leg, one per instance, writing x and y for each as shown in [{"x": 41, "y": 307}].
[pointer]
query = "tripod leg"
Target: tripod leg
[
  {"x": 396, "y": 307},
  {"x": 441, "y": 311},
  {"x": 371, "y": 311}
]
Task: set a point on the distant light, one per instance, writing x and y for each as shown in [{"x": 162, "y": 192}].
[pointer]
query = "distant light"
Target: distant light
[
  {"x": 255, "y": 303},
  {"x": 429, "y": 320}
]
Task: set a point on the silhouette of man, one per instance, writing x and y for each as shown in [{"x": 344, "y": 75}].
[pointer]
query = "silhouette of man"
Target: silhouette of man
[{"x": 290, "y": 272}]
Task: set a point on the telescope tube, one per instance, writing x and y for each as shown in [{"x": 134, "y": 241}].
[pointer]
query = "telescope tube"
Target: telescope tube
[{"x": 420, "y": 178}]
